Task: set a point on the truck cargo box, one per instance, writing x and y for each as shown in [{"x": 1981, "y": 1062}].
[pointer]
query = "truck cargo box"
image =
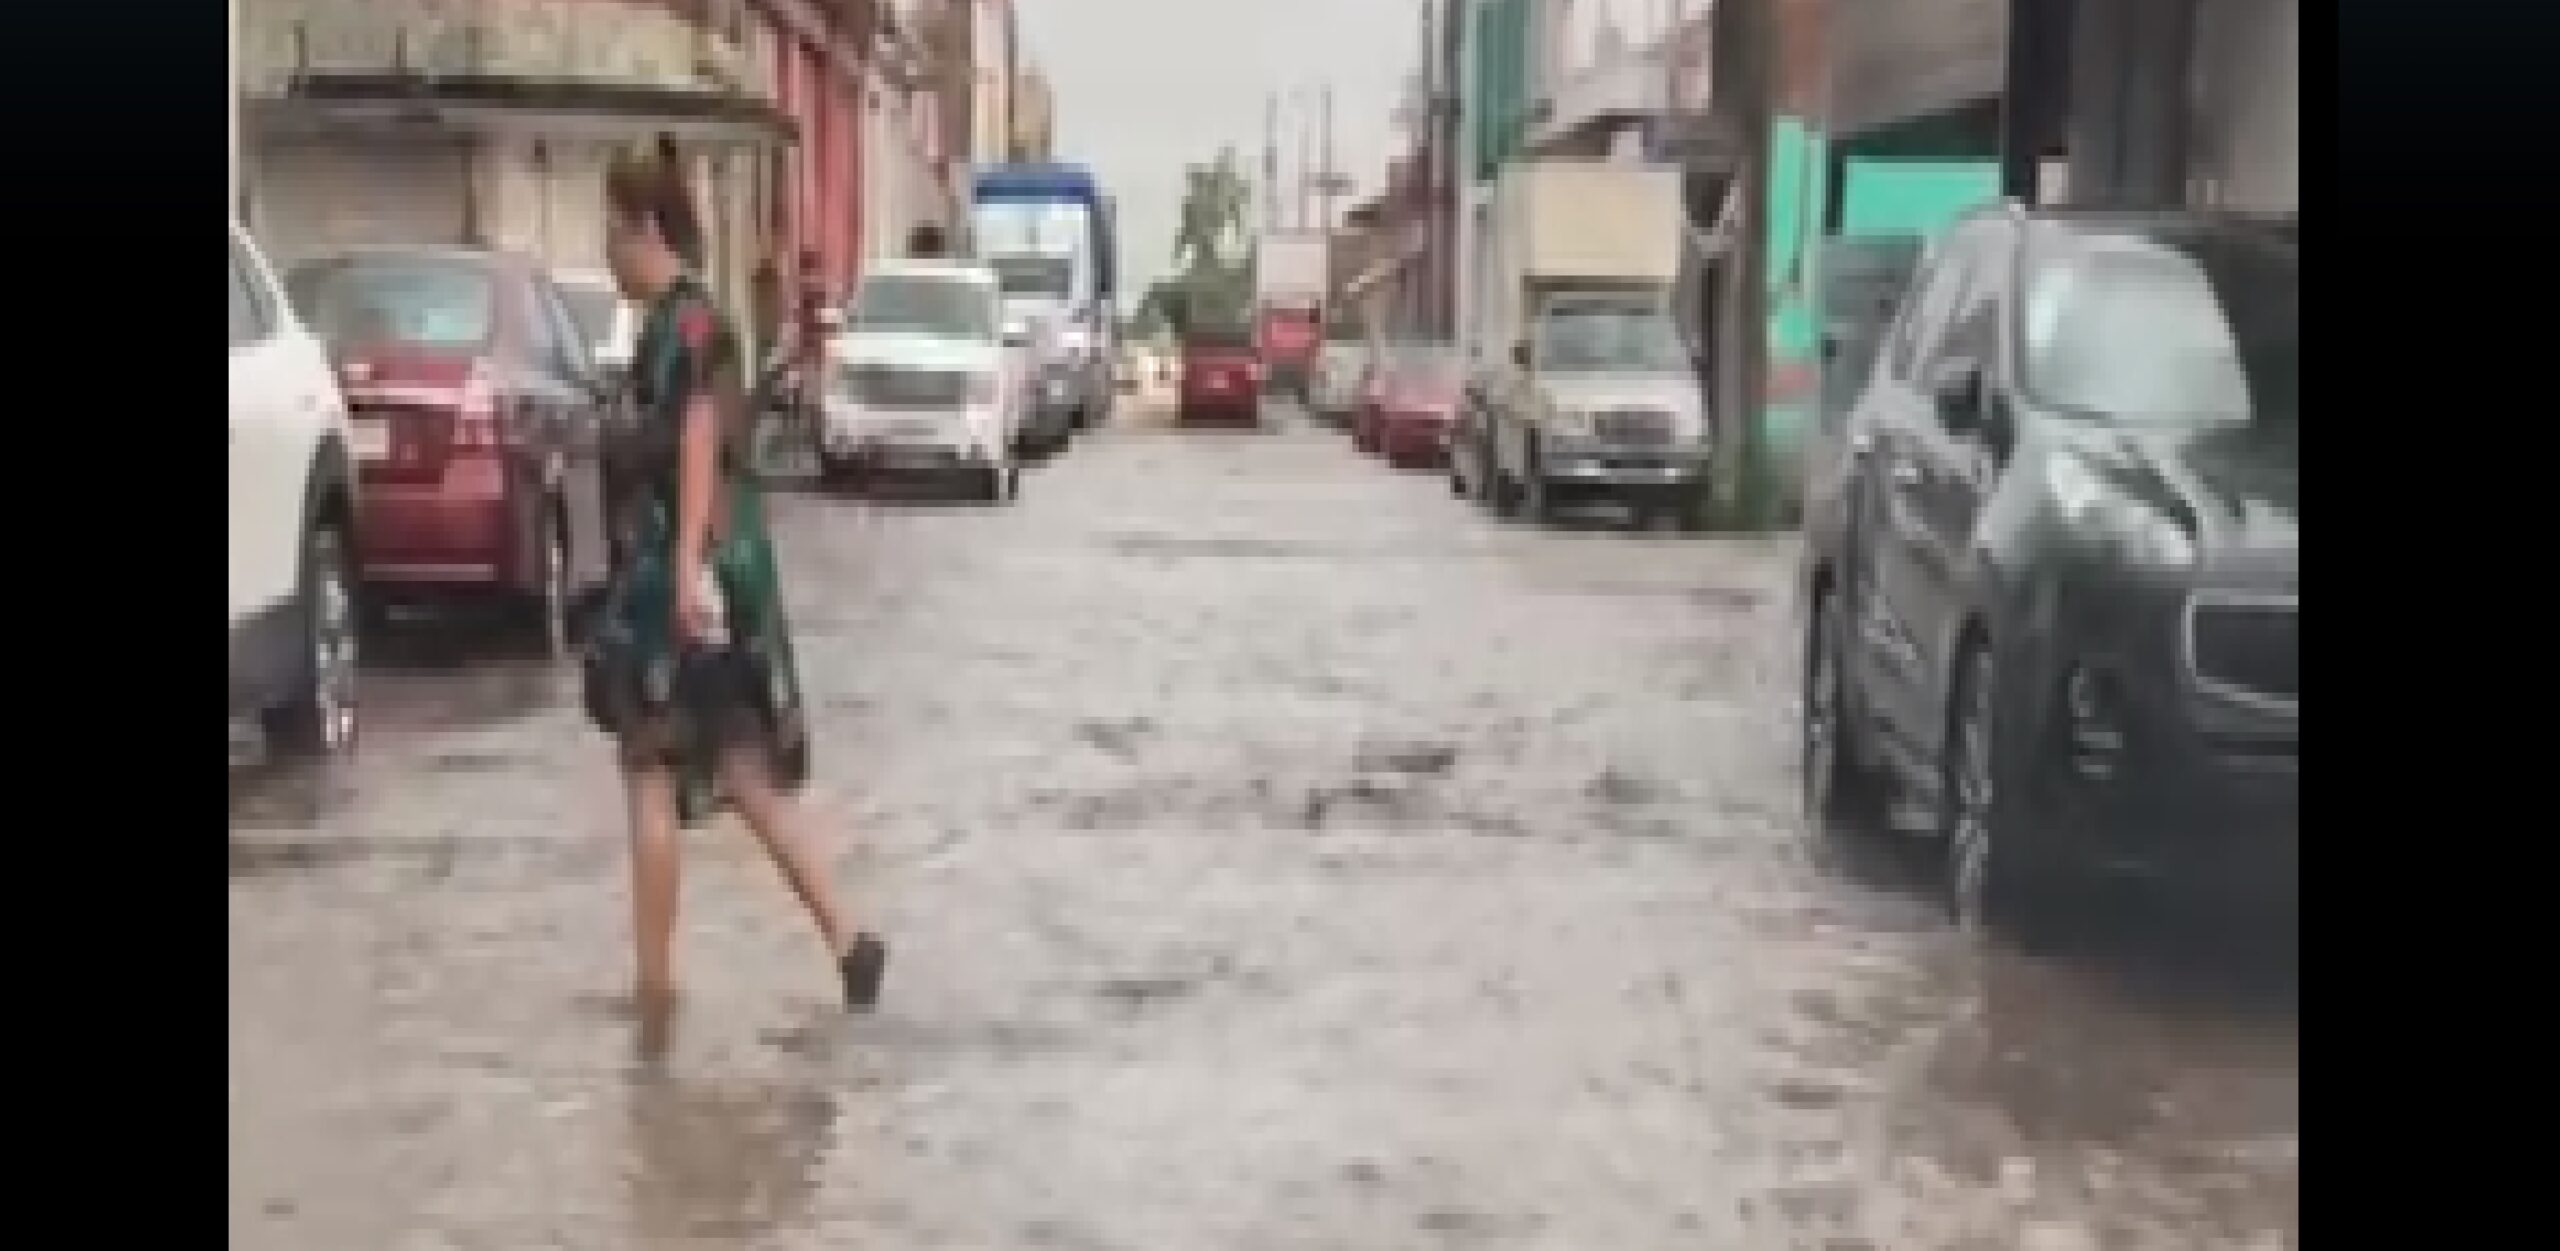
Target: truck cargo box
[
  {"x": 1289, "y": 268},
  {"x": 1592, "y": 222}
]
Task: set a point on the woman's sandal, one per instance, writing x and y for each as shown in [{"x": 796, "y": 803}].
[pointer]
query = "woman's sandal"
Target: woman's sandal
[{"x": 864, "y": 964}]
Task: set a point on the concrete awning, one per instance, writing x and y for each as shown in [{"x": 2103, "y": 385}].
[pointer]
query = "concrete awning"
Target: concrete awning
[
  {"x": 340, "y": 103},
  {"x": 1896, "y": 60},
  {"x": 1384, "y": 268},
  {"x": 1617, "y": 93}
]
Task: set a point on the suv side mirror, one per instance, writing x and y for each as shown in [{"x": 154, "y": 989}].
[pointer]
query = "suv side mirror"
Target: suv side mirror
[{"x": 1956, "y": 391}]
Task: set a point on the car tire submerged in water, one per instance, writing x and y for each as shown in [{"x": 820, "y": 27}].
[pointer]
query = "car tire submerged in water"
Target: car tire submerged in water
[
  {"x": 546, "y": 612},
  {"x": 1999, "y": 877},
  {"x": 1842, "y": 795},
  {"x": 320, "y": 718},
  {"x": 834, "y": 472},
  {"x": 1693, "y": 513},
  {"x": 998, "y": 484},
  {"x": 1537, "y": 494}
]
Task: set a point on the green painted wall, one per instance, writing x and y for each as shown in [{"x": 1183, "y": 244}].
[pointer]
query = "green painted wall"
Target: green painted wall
[
  {"x": 1882, "y": 196},
  {"x": 1499, "y": 110}
]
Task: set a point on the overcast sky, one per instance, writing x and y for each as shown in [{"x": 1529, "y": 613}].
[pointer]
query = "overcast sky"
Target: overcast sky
[{"x": 1146, "y": 87}]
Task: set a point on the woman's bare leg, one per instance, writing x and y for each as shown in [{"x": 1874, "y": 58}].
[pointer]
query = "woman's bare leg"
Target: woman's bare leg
[
  {"x": 656, "y": 872},
  {"x": 750, "y": 786}
]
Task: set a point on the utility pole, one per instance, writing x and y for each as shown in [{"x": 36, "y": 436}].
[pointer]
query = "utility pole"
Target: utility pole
[
  {"x": 1324, "y": 163},
  {"x": 1306, "y": 163},
  {"x": 1012, "y": 82},
  {"x": 1271, "y": 161},
  {"x": 1438, "y": 180},
  {"x": 1742, "y": 43}
]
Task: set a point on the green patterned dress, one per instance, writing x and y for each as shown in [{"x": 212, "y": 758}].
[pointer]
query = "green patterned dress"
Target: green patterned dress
[{"x": 670, "y": 703}]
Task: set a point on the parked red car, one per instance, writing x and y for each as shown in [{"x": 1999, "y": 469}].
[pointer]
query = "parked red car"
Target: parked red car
[
  {"x": 1409, "y": 403},
  {"x": 1221, "y": 380},
  {"x": 474, "y": 410}
]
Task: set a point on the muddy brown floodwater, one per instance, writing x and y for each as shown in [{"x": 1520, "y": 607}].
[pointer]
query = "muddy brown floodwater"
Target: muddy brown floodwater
[{"x": 1279, "y": 855}]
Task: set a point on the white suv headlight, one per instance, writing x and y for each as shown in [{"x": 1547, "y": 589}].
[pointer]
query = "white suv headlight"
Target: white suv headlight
[
  {"x": 1568, "y": 423},
  {"x": 2099, "y": 509}
]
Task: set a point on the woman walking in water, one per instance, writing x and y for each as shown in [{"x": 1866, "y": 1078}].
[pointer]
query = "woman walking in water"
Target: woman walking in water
[{"x": 690, "y": 665}]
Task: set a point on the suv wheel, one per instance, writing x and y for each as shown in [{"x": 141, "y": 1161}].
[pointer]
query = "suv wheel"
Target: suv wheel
[
  {"x": 320, "y": 718},
  {"x": 834, "y": 472},
  {"x": 549, "y": 611},
  {"x": 998, "y": 484},
  {"x": 1997, "y": 877},
  {"x": 1840, "y": 794},
  {"x": 1693, "y": 512},
  {"x": 1480, "y": 480},
  {"x": 1537, "y": 498}
]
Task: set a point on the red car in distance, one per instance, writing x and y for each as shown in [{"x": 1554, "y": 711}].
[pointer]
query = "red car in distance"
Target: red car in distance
[
  {"x": 1410, "y": 403},
  {"x": 1221, "y": 380},
  {"x": 474, "y": 409}
]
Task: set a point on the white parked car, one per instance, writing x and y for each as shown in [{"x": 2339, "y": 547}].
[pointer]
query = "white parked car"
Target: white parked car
[
  {"x": 608, "y": 322},
  {"x": 918, "y": 382},
  {"x": 293, "y": 516}
]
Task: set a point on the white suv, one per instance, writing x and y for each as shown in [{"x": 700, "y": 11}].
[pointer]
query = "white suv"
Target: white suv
[
  {"x": 293, "y": 620},
  {"x": 918, "y": 380}
]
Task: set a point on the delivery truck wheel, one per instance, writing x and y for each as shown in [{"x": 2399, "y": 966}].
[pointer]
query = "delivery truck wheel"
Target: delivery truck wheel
[
  {"x": 1508, "y": 498},
  {"x": 1537, "y": 494},
  {"x": 1538, "y": 502}
]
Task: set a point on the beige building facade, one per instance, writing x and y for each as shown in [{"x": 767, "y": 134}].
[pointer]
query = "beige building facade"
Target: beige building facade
[{"x": 431, "y": 121}]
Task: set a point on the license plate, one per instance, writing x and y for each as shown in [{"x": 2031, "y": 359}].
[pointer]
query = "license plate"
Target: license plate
[
  {"x": 913, "y": 456},
  {"x": 902, "y": 430},
  {"x": 372, "y": 439}
]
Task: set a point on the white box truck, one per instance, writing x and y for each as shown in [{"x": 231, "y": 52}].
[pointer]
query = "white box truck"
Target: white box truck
[{"x": 1586, "y": 387}]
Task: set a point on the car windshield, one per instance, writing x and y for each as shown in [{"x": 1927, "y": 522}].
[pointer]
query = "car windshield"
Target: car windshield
[
  {"x": 1608, "y": 338},
  {"x": 2163, "y": 326},
  {"x": 1035, "y": 275},
  {"x": 592, "y": 308},
  {"x": 1427, "y": 364},
  {"x": 416, "y": 301},
  {"x": 917, "y": 304}
]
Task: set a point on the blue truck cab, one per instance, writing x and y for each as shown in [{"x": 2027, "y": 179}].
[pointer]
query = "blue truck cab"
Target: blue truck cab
[{"x": 1046, "y": 230}]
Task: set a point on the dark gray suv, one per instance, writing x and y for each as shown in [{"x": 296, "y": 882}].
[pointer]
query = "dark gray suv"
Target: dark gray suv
[{"x": 2053, "y": 562}]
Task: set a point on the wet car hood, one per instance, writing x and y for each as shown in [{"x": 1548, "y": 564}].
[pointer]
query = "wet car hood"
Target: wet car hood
[
  {"x": 2239, "y": 484},
  {"x": 913, "y": 351}
]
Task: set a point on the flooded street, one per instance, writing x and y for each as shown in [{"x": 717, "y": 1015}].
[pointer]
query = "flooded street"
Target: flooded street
[{"x": 1277, "y": 853}]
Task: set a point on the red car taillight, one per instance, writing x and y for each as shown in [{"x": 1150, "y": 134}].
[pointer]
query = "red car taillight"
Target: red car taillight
[
  {"x": 478, "y": 425},
  {"x": 476, "y": 432}
]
